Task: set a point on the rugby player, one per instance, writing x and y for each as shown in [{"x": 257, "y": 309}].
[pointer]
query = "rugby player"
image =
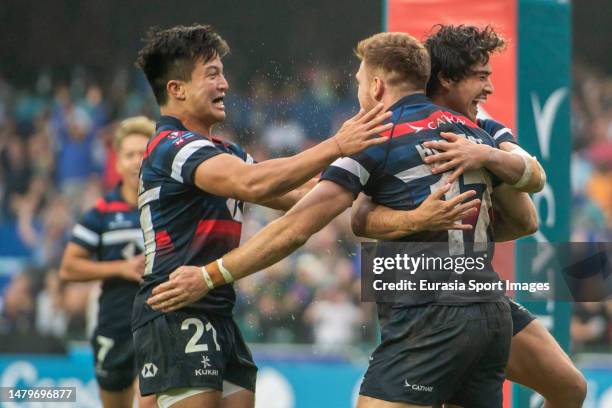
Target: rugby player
[
  {"x": 110, "y": 234},
  {"x": 394, "y": 70},
  {"x": 460, "y": 79},
  {"x": 192, "y": 190}
]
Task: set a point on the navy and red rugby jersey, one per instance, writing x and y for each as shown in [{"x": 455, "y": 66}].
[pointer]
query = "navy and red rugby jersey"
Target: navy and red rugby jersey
[
  {"x": 111, "y": 231},
  {"x": 394, "y": 174},
  {"x": 498, "y": 131},
  {"x": 182, "y": 224}
]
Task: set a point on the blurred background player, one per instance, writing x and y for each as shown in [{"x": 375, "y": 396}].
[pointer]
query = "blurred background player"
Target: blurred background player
[
  {"x": 394, "y": 71},
  {"x": 191, "y": 202},
  {"x": 460, "y": 79},
  {"x": 107, "y": 245}
]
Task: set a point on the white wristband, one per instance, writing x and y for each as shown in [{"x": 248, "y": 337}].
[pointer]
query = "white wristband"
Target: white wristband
[
  {"x": 527, "y": 172},
  {"x": 207, "y": 278},
  {"x": 227, "y": 276}
]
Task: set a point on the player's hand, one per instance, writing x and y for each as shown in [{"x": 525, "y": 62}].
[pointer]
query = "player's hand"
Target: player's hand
[
  {"x": 436, "y": 214},
  {"x": 132, "y": 269},
  {"x": 184, "y": 287},
  {"x": 362, "y": 131},
  {"x": 457, "y": 153}
]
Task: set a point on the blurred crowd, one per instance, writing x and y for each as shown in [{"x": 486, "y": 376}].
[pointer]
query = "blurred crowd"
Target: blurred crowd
[
  {"x": 56, "y": 160},
  {"x": 591, "y": 170}
]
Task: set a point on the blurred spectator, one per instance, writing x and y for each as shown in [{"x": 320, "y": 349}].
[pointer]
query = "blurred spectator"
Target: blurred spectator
[
  {"x": 590, "y": 328},
  {"x": 17, "y": 307},
  {"x": 592, "y": 157},
  {"x": 74, "y": 133},
  {"x": 17, "y": 173},
  {"x": 51, "y": 318},
  {"x": 56, "y": 223},
  {"x": 334, "y": 318},
  {"x": 284, "y": 136}
]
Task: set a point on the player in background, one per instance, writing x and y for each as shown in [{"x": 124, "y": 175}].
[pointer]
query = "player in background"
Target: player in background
[
  {"x": 107, "y": 245},
  {"x": 460, "y": 79},
  {"x": 394, "y": 70},
  {"x": 191, "y": 198}
]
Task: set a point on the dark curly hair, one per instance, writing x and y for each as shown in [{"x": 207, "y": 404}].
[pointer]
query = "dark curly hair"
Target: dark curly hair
[
  {"x": 454, "y": 49},
  {"x": 172, "y": 53}
]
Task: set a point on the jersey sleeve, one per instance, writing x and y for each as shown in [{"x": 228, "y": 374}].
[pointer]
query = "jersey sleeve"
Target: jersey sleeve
[
  {"x": 87, "y": 232},
  {"x": 237, "y": 150},
  {"x": 498, "y": 131},
  {"x": 180, "y": 156},
  {"x": 355, "y": 173}
]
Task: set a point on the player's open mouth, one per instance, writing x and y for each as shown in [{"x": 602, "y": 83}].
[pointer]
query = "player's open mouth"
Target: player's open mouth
[
  {"x": 480, "y": 100},
  {"x": 218, "y": 102}
]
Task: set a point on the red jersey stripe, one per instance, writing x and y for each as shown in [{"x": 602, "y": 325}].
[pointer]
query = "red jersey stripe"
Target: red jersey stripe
[
  {"x": 429, "y": 123},
  {"x": 223, "y": 227},
  {"x": 112, "y": 206},
  {"x": 153, "y": 143}
]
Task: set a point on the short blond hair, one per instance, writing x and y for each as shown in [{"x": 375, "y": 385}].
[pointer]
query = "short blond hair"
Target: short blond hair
[
  {"x": 402, "y": 57},
  {"x": 140, "y": 125}
]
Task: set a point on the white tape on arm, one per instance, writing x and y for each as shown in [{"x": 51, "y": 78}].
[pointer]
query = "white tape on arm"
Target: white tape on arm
[
  {"x": 226, "y": 274},
  {"x": 527, "y": 172},
  {"x": 207, "y": 278}
]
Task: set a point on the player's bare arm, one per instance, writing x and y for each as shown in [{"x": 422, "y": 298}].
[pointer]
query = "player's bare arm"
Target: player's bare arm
[
  {"x": 371, "y": 220},
  {"x": 273, "y": 243},
  {"x": 228, "y": 176},
  {"x": 288, "y": 200},
  {"x": 77, "y": 265},
  {"x": 510, "y": 163},
  {"x": 515, "y": 214}
]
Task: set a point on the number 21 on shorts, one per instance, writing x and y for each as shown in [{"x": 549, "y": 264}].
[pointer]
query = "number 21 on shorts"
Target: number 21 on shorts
[{"x": 193, "y": 345}]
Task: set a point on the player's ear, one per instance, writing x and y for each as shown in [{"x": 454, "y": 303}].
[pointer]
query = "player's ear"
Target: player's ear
[
  {"x": 378, "y": 88},
  {"x": 176, "y": 89},
  {"x": 445, "y": 83}
]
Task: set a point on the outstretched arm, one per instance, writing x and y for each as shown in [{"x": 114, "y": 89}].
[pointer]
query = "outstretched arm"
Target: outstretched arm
[
  {"x": 286, "y": 201},
  {"x": 228, "y": 176},
  {"x": 273, "y": 243}
]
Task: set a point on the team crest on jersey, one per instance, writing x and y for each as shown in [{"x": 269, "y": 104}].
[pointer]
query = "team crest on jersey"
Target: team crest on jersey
[
  {"x": 119, "y": 222},
  {"x": 180, "y": 137}
]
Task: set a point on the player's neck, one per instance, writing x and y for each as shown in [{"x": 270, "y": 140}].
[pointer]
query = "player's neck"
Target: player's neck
[
  {"x": 440, "y": 99},
  {"x": 129, "y": 194},
  {"x": 394, "y": 95},
  {"x": 190, "y": 122}
]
